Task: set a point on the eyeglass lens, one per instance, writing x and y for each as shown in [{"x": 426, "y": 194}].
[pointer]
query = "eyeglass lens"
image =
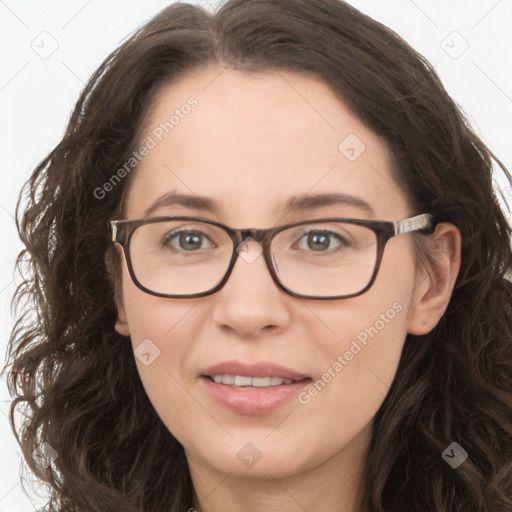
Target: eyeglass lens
[{"x": 180, "y": 257}]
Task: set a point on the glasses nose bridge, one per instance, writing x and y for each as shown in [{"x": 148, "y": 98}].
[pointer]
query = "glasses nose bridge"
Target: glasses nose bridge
[{"x": 258, "y": 235}]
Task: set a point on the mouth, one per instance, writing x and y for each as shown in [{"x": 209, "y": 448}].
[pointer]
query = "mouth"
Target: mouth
[
  {"x": 264, "y": 374},
  {"x": 252, "y": 389},
  {"x": 248, "y": 382}
]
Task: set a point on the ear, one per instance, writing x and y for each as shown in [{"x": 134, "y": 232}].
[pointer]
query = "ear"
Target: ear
[
  {"x": 434, "y": 285},
  {"x": 121, "y": 325}
]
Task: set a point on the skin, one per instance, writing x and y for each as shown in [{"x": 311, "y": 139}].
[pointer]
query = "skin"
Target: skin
[{"x": 253, "y": 141}]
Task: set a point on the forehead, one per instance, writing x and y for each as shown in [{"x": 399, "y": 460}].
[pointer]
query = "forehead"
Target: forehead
[{"x": 253, "y": 140}]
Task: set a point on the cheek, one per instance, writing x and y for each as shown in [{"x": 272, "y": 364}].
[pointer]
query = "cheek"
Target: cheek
[
  {"x": 355, "y": 375},
  {"x": 359, "y": 365},
  {"x": 361, "y": 352},
  {"x": 149, "y": 316},
  {"x": 162, "y": 332},
  {"x": 158, "y": 338}
]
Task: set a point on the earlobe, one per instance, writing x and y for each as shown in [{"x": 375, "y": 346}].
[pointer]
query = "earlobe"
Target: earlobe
[
  {"x": 435, "y": 284},
  {"x": 121, "y": 325}
]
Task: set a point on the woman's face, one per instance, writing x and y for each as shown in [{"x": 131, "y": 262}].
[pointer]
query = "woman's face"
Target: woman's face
[{"x": 251, "y": 142}]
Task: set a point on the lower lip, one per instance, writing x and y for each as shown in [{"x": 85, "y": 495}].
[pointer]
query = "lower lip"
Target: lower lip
[{"x": 253, "y": 401}]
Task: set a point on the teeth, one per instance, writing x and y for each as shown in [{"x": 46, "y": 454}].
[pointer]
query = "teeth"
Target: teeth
[
  {"x": 255, "y": 382},
  {"x": 242, "y": 381},
  {"x": 260, "y": 382}
]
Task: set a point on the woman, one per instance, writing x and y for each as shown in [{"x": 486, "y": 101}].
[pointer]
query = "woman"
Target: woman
[{"x": 268, "y": 269}]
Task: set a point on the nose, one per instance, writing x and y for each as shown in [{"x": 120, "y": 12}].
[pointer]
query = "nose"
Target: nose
[{"x": 250, "y": 302}]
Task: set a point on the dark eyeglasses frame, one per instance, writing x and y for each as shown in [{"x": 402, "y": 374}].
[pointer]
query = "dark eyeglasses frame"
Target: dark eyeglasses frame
[{"x": 121, "y": 232}]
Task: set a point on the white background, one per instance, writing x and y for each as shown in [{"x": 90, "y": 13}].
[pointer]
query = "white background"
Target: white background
[{"x": 37, "y": 95}]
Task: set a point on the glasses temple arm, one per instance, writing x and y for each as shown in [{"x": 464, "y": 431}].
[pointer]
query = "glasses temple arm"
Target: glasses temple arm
[
  {"x": 113, "y": 230},
  {"x": 425, "y": 221}
]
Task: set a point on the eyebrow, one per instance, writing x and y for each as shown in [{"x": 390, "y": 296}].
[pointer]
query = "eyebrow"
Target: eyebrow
[{"x": 309, "y": 201}]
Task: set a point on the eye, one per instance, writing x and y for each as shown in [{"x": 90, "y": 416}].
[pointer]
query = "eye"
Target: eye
[
  {"x": 186, "y": 240},
  {"x": 322, "y": 240}
]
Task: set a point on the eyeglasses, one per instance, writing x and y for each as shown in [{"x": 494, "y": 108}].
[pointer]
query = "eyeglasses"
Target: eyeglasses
[{"x": 324, "y": 259}]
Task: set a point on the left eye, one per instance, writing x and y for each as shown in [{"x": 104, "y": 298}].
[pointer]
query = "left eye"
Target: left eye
[{"x": 320, "y": 241}]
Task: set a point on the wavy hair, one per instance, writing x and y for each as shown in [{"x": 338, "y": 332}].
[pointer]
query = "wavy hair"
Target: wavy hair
[{"x": 75, "y": 377}]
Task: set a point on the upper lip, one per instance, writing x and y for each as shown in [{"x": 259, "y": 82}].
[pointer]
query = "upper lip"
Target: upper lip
[{"x": 261, "y": 369}]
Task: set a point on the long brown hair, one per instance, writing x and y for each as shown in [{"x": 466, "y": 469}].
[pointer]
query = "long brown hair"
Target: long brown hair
[{"x": 75, "y": 377}]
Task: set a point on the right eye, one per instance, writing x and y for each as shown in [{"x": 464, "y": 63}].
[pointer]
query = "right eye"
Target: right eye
[{"x": 185, "y": 240}]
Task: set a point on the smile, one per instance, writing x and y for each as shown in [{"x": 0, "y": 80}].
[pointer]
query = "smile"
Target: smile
[{"x": 239, "y": 381}]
